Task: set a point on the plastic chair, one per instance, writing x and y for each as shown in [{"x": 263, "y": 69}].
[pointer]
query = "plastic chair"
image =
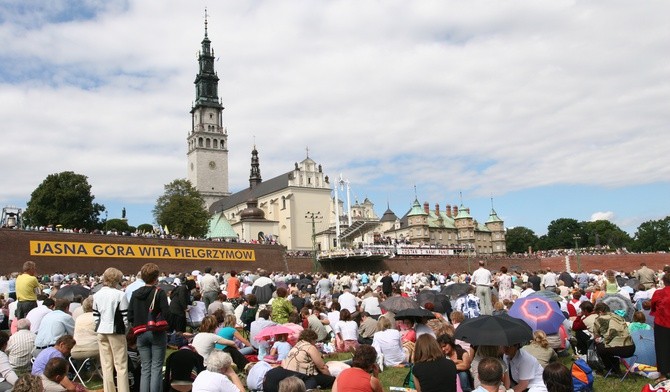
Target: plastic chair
[{"x": 92, "y": 361}]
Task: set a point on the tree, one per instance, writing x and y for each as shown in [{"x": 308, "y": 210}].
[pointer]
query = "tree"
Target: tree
[
  {"x": 182, "y": 209},
  {"x": 145, "y": 228},
  {"x": 653, "y": 236},
  {"x": 561, "y": 232},
  {"x": 63, "y": 199},
  {"x": 605, "y": 233},
  {"x": 519, "y": 239},
  {"x": 120, "y": 225}
]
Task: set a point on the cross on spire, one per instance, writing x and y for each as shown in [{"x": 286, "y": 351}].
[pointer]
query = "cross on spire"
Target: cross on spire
[
  {"x": 205, "y": 21},
  {"x": 307, "y": 150}
]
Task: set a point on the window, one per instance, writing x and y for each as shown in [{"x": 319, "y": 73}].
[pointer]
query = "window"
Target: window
[
  {"x": 200, "y": 142},
  {"x": 283, "y": 202},
  {"x": 207, "y": 143},
  {"x": 216, "y": 143}
]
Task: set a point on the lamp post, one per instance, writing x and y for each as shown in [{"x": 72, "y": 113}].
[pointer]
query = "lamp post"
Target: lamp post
[
  {"x": 313, "y": 216},
  {"x": 576, "y": 237}
]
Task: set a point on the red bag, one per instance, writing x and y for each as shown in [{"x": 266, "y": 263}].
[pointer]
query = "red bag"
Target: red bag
[{"x": 155, "y": 323}]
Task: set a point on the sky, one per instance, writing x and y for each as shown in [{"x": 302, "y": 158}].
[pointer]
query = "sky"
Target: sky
[{"x": 543, "y": 109}]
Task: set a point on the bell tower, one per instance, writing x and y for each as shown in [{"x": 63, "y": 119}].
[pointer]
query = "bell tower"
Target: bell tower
[{"x": 208, "y": 139}]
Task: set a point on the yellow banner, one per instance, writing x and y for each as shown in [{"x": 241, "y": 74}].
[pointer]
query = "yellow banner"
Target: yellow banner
[{"x": 92, "y": 249}]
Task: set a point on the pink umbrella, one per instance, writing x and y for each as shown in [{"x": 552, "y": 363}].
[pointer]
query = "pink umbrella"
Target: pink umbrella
[
  {"x": 293, "y": 336},
  {"x": 272, "y": 331}
]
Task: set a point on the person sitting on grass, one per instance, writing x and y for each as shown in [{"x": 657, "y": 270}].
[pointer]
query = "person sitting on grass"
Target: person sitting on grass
[
  {"x": 219, "y": 375},
  {"x": 280, "y": 348},
  {"x": 363, "y": 375},
  {"x": 490, "y": 375}
]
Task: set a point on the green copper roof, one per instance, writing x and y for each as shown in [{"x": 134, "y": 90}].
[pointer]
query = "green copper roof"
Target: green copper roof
[
  {"x": 416, "y": 209},
  {"x": 219, "y": 227},
  {"x": 493, "y": 217},
  {"x": 462, "y": 213},
  {"x": 445, "y": 221}
]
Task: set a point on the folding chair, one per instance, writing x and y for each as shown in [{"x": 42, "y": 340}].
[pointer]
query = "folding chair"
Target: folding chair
[
  {"x": 90, "y": 361},
  {"x": 627, "y": 363}
]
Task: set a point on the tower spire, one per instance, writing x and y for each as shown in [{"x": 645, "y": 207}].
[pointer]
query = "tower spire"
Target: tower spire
[{"x": 255, "y": 175}]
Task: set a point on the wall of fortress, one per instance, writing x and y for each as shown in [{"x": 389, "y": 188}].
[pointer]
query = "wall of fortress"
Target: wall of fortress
[{"x": 89, "y": 253}]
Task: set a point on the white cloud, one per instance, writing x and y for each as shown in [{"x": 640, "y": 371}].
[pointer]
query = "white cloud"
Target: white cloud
[
  {"x": 603, "y": 215},
  {"x": 483, "y": 96}
]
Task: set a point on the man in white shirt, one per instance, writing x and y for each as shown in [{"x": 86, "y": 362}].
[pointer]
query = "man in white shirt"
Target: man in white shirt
[
  {"x": 549, "y": 280},
  {"x": 490, "y": 374},
  {"x": 36, "y": 315},
  {"x": 347, "y": 300},
  {"x": 54, "y": 325},
  {"x": 524, "y": 369},
  {"x": 209, "y": 287},
  {"x": 481, "y": 278}
]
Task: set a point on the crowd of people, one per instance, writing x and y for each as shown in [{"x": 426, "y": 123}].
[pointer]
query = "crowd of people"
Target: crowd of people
[{"x": 229, "y": 331}]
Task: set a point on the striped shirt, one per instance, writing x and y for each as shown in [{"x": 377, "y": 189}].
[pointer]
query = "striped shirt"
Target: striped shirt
[{"x": 20, "y": 348}]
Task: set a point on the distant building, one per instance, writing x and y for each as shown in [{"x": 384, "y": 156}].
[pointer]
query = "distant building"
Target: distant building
[
  {"x": 452, "y": 227},
  {"x": 207, "y": 140},
  {"x": 281, "y": 208}
]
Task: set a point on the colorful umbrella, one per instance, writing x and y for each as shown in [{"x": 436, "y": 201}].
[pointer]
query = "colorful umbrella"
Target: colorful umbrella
[
  {"x": 272, "y": 330},
  {"x": 540, "y": 313},
  {"x": 493, "y": 331},
  {"x": 644, "y": 346}
]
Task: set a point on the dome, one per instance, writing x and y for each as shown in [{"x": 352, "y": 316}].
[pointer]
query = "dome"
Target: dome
[{"x": 252, "y": 211}]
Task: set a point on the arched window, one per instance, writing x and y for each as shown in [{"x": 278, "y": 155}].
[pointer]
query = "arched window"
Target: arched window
[
  {"x": 200, "y": 142},
  {"x": 216, "y": 143},
  {"x": 207, "y": 143},
  {"x": 283, "y": 202}
]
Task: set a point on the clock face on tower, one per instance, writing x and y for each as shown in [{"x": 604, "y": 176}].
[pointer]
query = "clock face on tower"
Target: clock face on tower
[{"x": 212, "y": 165}]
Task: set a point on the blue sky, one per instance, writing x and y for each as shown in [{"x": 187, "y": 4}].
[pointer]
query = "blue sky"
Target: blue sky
[{"x": 553, "y": 108}]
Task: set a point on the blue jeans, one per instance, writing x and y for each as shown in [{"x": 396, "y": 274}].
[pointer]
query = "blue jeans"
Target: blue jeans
[{"x": 152, "y": 347}]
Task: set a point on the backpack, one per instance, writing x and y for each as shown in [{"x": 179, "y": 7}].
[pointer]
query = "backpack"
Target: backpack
[
  {"x": 248, "y": 315},
  {"x": 582, "y": 376}
]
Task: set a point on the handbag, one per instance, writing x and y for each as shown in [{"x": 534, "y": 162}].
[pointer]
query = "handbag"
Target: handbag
[
  {"x": 409, "y": 379},
  {"x": 155, "y": 323},
  {"x": 593, "y": 359}
]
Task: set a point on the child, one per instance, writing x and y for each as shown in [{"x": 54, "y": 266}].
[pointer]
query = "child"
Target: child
[
  {"x": 639, "y": 322},
  {"x": 281, "y": 347}
]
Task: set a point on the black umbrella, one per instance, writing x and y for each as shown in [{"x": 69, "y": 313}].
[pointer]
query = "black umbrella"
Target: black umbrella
[
  {"x": 398, "y": 303},
  {"x": 456, "y": 289},
  {"x": 566, "y": 278},
  {"x": 633, "y": 283},
  {"x": 440, "y": 301},
  {"x": 166, "y": 287},
  {"x": 494, "y": 331},
  {"x": 547, "y": 294},
  {"x": 96, "y": 288},
  {"x": 414, "y": 314},
  {"x": 621, "y": 280},
  {"x": 69, "y": 292}
]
